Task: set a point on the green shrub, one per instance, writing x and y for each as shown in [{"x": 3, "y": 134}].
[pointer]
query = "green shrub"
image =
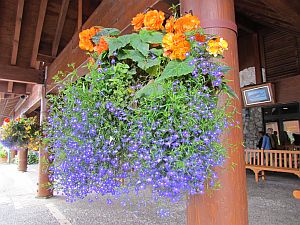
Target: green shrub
[{"x": 33, "y": 158}]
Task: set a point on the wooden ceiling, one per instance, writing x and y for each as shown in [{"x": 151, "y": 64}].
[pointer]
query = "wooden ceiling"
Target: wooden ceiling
[
  {"x": 32, "y": 32},
  {"x": 277, "y": 14},
  {"x": 35, "y": 31}
]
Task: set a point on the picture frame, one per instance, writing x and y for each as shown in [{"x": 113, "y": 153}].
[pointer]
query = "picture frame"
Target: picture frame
[{"x": 258, "y": 95}]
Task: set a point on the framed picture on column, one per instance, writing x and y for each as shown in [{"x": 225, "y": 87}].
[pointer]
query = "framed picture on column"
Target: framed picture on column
[{"x": 258, "y": 95}]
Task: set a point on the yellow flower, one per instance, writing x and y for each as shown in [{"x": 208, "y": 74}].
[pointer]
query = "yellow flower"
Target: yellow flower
[
  {"x": 138, "y": 21},
  {"x": 186, "y": 23},
  {"x": 216, "y": 46},
  {"x": 175, "y": 46},
  {"x": 154, "y": 19}
]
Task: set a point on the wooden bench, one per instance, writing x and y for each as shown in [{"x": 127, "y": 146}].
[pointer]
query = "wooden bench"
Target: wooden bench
[{"x": 272, "y": 160}]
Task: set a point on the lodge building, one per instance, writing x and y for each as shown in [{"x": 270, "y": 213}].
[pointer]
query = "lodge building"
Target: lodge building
[{"x": 39, "y": 38}]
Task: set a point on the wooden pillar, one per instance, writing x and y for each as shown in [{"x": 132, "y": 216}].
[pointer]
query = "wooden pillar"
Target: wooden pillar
[
  {"x": 227, "y": 206},
  {"x": 22, "y": 157},
  {"x": 43, "y": 179}
]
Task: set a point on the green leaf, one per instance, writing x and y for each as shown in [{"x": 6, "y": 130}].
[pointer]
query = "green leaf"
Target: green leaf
[
  {"x": 105, "y": 32},
  {"x": 154, "y": 70},
  {"x": 230, "y": 91},
  {"x": 177, "y": 68},
  {"x": 152, "y": 37},
  {"x": 148, "y": 63},
  {"x": 136, "y": 56},
  {"x": 157, "y": 52},
  {"x": 117, "y": 43},
  {"x": 151, "y": 89},
  {"x": 138, "y": 44}
]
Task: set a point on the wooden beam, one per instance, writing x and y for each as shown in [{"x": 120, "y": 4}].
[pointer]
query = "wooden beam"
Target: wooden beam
[
  {"x": 109, "y": 13},
  {"x": 10, "y": 86},
  {"x": 31, "y": 103},
  {"x": 282, "y": 7},
  {"x": 45, "y": 58},
  {"x": 19, "y": 74},
  {"x": 79, "y": 14},
  {"x": 17, "y": 88},
  {"x": 60, "y": 26},
  {"x": 257, "y": 60},
  {"x": 29, "y": 88},
  {"x": 38, "y": 33},
  {"x": 17, "y": 32}
]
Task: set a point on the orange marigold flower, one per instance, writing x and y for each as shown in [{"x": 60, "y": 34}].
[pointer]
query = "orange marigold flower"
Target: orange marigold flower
[
  {"x": 101, "y": 46},
  {"x": 18, "y": 119},
  {"x": 154, "y": 19},
  {"x": 200, "y": 38},
  {"x": 6, "y": 120},
  {"x": 216, "y": 46},
  {"x": 138, "y": 21},
  {"x": 175, "y": 46},
  {"x": 85, "y": 37},
  {"x": 186, "y": 23},
  {"x": 170, "y": 24}
]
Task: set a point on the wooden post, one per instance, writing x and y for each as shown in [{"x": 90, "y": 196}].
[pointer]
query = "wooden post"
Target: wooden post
[
  {"x": 229, "y": 204},
  {"x": 22, "y": 156},
  {"x": 43, "y": 179}
]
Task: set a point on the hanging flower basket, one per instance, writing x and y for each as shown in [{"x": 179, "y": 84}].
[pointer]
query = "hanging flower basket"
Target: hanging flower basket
[
  {"x": 146, "y": 115},
  {"x": 18, "y": 134}
]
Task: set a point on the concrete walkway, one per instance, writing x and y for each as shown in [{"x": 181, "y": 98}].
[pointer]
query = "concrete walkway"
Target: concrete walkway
[{"x": 270, "y": 203}]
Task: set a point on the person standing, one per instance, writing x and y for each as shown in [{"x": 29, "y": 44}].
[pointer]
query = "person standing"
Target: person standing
[
  {"x": 266, "y": 142},
  {"x": 260, "y": 141},
  {"x": 275, "y": 137},
  {"x": 271, "y": 136}
]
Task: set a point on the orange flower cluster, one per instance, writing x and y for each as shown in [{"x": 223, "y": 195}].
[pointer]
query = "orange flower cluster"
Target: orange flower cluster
[
  {"x": 151, "y": 20},
  {"x": 85, "y": 37},
  {"x": 216, "y": 46},
  {"x": 174, "y": 42},
  {"x": 175, "y": 46},
  {"x": 85, "y": 40},
  {"x": 101, "y": 46},
  {"x": 183, "y": 24}
]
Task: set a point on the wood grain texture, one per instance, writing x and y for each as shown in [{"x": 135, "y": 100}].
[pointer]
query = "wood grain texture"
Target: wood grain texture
[
  {"x": 17, "y": 32},
  {"x": 38, "y": 32},
  {"x": 229, "y": 204},
  {"x": 60, "y": 26},
  {"x": 19, "y": 74}
]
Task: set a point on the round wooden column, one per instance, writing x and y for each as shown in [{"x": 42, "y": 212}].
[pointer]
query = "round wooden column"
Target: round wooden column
[
  {"x": 43, "y": 179},
  {"x": 227, "y": 206},
  {"x": 22, "y": 157}
]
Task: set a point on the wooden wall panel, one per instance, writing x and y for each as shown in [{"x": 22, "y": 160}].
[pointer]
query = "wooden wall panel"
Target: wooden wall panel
[
  {"x": 282, "y": 54},
  {"x": 288, "y": 90}
]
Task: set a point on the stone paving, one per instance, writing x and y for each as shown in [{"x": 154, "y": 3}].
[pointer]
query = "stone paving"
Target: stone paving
[{"x": 270, "y": 203}]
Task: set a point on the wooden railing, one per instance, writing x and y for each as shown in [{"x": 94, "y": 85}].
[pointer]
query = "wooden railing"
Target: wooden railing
[{"x": 272, "y": 160}]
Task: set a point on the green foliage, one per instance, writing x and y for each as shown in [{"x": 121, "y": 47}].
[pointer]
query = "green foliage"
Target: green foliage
[
  {"x": 3, "y": 153},
  {"x": 177, "y": 68},
  {"x": 32, "y": 158},
  {"x": 105, "y": 32}
]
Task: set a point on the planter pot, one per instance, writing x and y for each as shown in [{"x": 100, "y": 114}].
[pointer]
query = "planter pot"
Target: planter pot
[
  {"x": 22, "y": 156},
  {"x": 3, "y": 160},
  {"x": 13, "y": 154}
]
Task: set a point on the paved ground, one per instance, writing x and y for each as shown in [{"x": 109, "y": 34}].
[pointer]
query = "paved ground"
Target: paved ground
[{"x": 270, "y": 203}]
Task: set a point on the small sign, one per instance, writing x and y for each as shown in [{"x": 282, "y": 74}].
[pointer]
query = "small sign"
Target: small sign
[{"x": 258, "y": 95}]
